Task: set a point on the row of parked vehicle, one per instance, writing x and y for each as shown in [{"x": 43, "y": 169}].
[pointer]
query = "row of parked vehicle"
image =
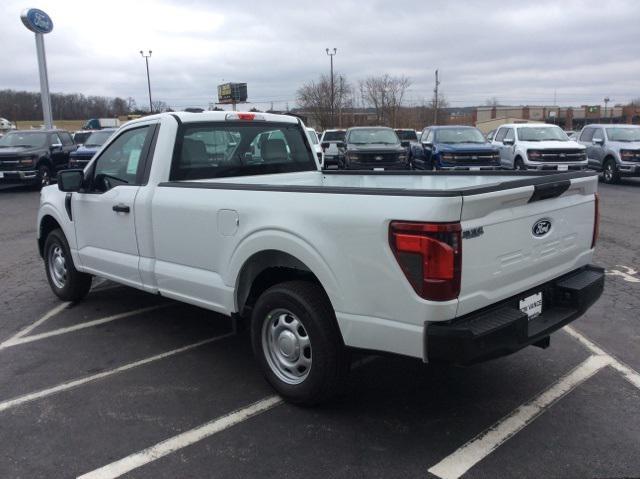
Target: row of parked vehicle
[
  {"x": 612, "y": 149},
  {"x": 35, "y": 157}
]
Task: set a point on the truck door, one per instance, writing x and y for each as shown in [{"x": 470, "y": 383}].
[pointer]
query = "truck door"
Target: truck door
[
  {"x": 104, "y": 214},
  {"x": 597, "y": 147},
  {"x": 585, "y": 139},
  {"x": 505, "y": 153},
  {"x": 58, "y": 154}
]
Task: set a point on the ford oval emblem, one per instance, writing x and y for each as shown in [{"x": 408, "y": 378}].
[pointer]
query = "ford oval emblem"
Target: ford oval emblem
[
  {"x": 36, "y": 20},
  {"x": 541, "y": 227}
]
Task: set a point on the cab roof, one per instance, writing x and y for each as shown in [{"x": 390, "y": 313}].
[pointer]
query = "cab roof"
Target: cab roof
[{"x": 188, "y": 117}]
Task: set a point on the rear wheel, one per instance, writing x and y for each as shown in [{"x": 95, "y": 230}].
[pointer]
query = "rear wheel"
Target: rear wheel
[
  {"x": 297, "y": 343},
  {"x": 610, "y": 173},
  {"x": 66, "y": 282}
]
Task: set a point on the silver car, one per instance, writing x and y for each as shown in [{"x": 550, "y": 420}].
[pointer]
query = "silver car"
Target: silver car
[{"x": 612, "y": 149}]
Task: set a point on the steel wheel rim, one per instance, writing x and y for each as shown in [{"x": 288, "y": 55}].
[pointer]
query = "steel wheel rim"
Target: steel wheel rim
[
  {"x": 57, "y": 266},
  {"x": 286, "y": 346}
]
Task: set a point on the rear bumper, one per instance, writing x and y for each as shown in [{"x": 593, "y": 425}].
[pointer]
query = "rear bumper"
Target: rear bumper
[{"x": 502, "y": 328}]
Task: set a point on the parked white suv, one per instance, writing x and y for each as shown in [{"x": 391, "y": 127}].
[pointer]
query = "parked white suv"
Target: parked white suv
[{"x": 538, "y": 146}]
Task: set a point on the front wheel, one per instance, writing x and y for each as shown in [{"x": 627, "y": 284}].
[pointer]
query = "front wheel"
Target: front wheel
[
  {"x": 64, "y": 279},
  {"x": 519, "y": 165},
  {"x": 610, "y": 172},
  {"x": 43, "y": 177},
  {"x": 296, "y": 341}
]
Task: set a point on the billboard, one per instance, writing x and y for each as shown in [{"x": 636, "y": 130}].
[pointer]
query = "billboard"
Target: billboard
[{"x": 232, "y": 93}]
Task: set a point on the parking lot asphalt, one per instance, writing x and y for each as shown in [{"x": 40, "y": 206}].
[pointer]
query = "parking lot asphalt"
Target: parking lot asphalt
[{"x": 126, "y": 383}]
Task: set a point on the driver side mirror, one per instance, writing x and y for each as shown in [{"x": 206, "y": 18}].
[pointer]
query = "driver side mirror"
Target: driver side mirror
[
  {"x": 427, "y": 144},
  {"x": 70, "y": 180},
  {"x": 56, "y": 146},
  {"x": 508, "y": 141},
  {"x": 598, "y": 141}
]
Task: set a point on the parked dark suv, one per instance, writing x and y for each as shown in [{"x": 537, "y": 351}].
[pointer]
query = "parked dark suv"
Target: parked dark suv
[
  {"x": 373, "y": 148},
  {"x": 34, "y": 156}
]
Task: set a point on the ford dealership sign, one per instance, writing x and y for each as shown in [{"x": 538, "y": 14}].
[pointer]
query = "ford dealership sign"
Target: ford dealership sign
[{"x": 36, "y": 20}]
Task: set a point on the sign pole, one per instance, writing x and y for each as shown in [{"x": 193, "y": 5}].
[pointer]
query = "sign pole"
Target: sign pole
[
  {"x": 44, "y": 82},
  {"x": 40, "y": 23}
]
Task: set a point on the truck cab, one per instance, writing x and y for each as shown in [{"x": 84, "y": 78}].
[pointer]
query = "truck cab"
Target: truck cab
[{"x": 454, "y": 148}]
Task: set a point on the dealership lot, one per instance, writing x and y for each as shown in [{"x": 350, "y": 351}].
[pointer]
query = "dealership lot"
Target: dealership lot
[{"x": 88, "y": 388}]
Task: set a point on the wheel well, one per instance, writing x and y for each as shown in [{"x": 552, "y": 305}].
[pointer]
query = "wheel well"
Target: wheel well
[
  {"x": 266, "y": 269},
  {"x": 609, "y": 157},
  {"x": 47, "y": 225}
]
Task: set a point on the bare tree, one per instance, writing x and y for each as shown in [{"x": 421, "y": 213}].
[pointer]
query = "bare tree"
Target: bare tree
[
  {"x": 315, "y": 97},
  {"x": 493, "y": 101},
  {"x": 384, "y": 94},
  {"x": 442, "y": 105},
  {"x": 159, "y": 106}
]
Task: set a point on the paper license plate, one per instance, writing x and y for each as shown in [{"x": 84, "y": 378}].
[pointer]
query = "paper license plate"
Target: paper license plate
[
  {"x": 532, "y": 305},
  {"x": 474, "y": 168},
  {"x": 1, "y": 175},
  {"x": 378, "y": 169},
  {"x": 563, "y": 167}
]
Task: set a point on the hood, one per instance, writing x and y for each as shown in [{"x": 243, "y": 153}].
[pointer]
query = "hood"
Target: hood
[
  {"x": 624, "y": 145},
  {"x": 85, "y": 151},
  {"x": 377, "y": 147},
  {"x": 552, "y": 145},
  {"x": 464, "y": 147},
  {"x": 19, "y": 150}
]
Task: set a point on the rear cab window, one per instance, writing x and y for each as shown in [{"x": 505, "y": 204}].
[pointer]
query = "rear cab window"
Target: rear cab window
[
  {"x": 333, "y": 136},
  {"x": 219, "y": 150}
]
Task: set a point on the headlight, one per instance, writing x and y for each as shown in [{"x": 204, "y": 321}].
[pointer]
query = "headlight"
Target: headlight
[
  {"x": 353, "y": 157},
  {"x": 27, "y": 161},
  {"x": 627, "y": 155},
  {"x": 534, "y": 155},
  {"x": 447, "y": 157},
  {"x": 402, "y": 157}
]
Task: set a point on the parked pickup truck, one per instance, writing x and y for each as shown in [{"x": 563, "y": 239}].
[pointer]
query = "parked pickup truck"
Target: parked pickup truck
[
  {"x": 373, "y": 148},
  {"x": 447, "y": 267},
  {"x": 454, "y": 148}
]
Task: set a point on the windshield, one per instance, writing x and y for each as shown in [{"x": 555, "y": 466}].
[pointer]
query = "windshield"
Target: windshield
[
  {"x": 623, "y": 134},
  {"x": 366, "y": 136},
  {"x": 459, "y": 135},
  {"x": 314, "y": 136},
  {"x": 406, "y": 135},
  {"x": 98, "y": 138},
  {"x": 333, "y": 135},
  {"x": 24, "y": 139},
  {"x": 542, "y": 133}
]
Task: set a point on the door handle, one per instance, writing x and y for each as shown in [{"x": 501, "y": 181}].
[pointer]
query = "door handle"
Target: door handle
[{"x": 121, "y": 208}]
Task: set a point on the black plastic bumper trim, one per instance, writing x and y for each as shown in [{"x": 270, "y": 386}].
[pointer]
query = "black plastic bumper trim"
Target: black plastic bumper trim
[{"x": 502, "y": 328}]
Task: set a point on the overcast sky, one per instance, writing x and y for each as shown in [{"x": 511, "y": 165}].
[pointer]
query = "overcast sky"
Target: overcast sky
[{"x": 520, "y": 52}]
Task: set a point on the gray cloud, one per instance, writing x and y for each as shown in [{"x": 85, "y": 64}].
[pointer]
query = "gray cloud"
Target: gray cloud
[{"x": 519, "y": 52}]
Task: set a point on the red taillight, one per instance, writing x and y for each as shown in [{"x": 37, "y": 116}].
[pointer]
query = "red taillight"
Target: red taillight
[
  {"x": 430, "y": 256},
  {"x": 596, "y": 221}
]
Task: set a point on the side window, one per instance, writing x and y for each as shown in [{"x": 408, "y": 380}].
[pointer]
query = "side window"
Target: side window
[
  {"x": 509, "y": 134},
  {"x": 598, "y": 134},
  {"x": 430, "y": 136},
  {"x": 587, "y": 134},
  {"x": 118, "y": 163},
  {"x": 66, "y": 139},
  {"x": 54, "y": 139},
  {"x": 500, "y": 135}
]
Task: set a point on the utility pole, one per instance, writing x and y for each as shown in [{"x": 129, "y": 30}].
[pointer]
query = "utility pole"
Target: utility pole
[
  {"x": 606, "y": 100},
  {"x": 435, "y": 100},
  {"x": 331, "y": 54},
  {"x": 146, "y": 59}
]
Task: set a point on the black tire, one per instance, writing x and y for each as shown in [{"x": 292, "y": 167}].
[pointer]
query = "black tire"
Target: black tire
[
  {"x": 73, "y": 285},
  {"x": 519, "y": 165},
  {"x": 610, "y": 173},
  {"x": 44, "y": 176},
  {"x": 307, "y": 304}
]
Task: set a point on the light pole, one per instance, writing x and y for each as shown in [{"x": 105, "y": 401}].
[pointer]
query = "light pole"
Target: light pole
[
  {"x": 606, "y": 100},
  {"x": 146, "y": 59},
  {"x": 331, "y": 54}
]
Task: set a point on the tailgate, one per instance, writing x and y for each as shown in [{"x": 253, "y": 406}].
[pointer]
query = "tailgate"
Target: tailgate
[{"x": 502, "y": 255}]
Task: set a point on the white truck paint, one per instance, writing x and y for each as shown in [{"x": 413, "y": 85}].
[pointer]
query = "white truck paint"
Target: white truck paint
[{"x": 205, "y": 241}]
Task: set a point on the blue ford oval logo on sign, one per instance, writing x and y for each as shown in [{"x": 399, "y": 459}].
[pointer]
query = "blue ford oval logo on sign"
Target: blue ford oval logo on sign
[
  {"x": 541, "y": 227},
  {"x": 36, "y": 20}
]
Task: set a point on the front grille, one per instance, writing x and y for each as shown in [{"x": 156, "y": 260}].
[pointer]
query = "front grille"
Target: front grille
[
  {"x": 378, "y": 157},
  {"x": 9, "y": 164},
  {"x": 559, "y": 155},
  {"x": 471, "y": 158}
]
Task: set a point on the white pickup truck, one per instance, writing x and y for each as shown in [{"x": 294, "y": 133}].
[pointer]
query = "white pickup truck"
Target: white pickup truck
[{"x": 442, "y": 266}]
